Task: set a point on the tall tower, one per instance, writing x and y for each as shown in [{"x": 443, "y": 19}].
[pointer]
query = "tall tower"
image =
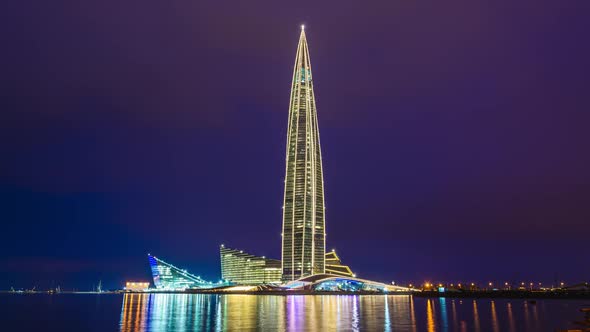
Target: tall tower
[{"x": 304, "y": 236}]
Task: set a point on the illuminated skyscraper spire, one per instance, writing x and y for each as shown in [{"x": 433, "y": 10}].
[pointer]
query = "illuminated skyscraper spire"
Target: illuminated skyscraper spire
[{"x": 304, "y": 237}]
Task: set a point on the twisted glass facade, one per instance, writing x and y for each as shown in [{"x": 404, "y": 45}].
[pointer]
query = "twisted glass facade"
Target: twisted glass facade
[
  {"x": 240, "y": 267},
  {"x": 303, "y": 242}
]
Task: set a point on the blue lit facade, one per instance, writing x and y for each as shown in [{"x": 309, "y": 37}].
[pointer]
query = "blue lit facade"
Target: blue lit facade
[
  {"x": 169, "y": 277},
  {"x": 336, "y": 285},
  {"x": 349, "y": 285}
]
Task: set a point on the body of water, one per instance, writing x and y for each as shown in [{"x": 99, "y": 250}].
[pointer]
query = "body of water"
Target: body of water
[{"x": 200, "y": 312}]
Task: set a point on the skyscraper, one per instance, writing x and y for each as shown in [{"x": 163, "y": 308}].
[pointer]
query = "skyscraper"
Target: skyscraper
[{"x": 304, "y": 240}]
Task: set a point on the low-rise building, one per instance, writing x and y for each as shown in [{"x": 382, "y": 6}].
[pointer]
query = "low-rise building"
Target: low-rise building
[
  {"x": 169, "y": 277},
  {"x": 240, "y": 267},
  {"x": 334, "y": 265},
  {"x": 136, "y": 286}
]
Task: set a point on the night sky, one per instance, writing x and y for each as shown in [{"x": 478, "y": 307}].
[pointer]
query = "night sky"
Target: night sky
[{"x": 455, "y": 137}]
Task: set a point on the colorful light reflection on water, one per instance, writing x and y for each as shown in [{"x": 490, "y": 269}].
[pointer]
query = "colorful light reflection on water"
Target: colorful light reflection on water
[{"x": 193, "y": 312}]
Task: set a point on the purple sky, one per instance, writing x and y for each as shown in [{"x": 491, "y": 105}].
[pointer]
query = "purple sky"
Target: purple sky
[{"x": 455, "y": 137}]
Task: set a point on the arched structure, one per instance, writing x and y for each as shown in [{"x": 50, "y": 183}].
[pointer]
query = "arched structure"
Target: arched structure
[{"x": 331, "y": 283}]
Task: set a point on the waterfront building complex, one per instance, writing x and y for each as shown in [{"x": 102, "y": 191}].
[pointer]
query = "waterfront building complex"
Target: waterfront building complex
[
  {"x": 240, "y": 267},
  {"x": 334, "y": 265},
  {"x": 303, "y": 236},
  {"x": 304, "y": 263}
]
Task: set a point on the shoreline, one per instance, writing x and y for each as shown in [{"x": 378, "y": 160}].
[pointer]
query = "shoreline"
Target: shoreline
[{"x": 565, "y": 295}]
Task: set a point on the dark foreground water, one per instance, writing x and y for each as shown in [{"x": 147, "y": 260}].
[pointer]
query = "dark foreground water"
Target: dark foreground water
[{"x": 197, "y": 312}]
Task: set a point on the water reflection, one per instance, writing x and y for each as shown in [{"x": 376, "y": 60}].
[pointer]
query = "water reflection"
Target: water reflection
[
  {"x": 510, "y": 317},
  {"x": 495, "y": 326},
  {"x": 192, "y": 312},
  {"x": 430, "y": 325},
  {"x": 443, "y": 314},
  {"x": 476, "y": 325}
]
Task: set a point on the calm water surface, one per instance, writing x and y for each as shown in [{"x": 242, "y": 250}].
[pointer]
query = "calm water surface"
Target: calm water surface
[{"x": 196, "y": 312}]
